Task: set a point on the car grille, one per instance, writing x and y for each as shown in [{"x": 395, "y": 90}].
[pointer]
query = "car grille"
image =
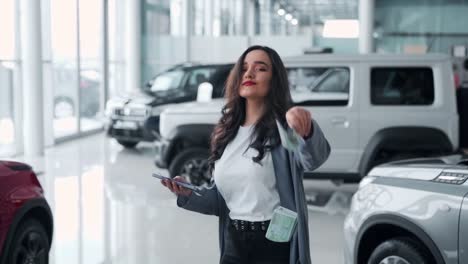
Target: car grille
[{"x": 136, "y": 112}]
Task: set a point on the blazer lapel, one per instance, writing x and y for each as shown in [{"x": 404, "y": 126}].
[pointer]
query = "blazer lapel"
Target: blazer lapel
[{"x": 283, "y": 177}]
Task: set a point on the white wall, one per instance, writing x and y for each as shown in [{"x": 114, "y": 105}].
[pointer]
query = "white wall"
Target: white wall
[
  {"x": 217, "y": 49},
  {"x": 229, "y": 48},
  {"x": 165, "y": 51},
  {"x": 284, "y": 45},
  {"x": 161, "y": 53}
]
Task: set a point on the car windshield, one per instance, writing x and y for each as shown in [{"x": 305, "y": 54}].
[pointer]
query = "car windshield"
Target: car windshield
[{"x": 167, "y": 81}]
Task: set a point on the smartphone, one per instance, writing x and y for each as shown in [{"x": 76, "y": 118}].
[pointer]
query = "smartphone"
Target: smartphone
[{"x": 183, "y": 184}]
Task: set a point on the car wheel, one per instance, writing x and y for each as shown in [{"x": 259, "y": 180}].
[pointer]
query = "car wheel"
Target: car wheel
[
  {"x": 30, "y": 244},
  {"x": 400, "y": 250},
  {"x": 192, "y": 164},
  {"x": 127, "y": 144}
]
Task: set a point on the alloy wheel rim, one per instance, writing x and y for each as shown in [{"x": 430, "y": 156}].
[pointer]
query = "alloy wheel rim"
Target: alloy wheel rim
[
  {"x": 195, "y": 171},
  {"x": 31, "y": 250},
  {"x": 394, "y": 260}
]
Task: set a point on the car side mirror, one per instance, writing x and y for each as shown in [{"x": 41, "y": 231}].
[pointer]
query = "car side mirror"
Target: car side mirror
[{"x": 205, "y": 92}]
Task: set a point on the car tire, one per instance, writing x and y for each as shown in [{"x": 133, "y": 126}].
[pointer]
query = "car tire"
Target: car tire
[
  {"x": 127, "y": 144},
  {"x": 192, "y": 164},
  {"x": 401, "y": 250},
  {"x": 30, "y": 244}
]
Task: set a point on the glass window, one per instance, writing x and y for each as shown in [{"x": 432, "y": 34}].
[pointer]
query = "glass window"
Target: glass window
[
  {"x": 7, "y": 128},
  {"x": 199, "y": 76},
  {"x": 64, "y": 68},
  {"x": 167, "y": 81},
  {"x": 8, "y": 73},
  {"x": 402, "y": 86},
  {"x": 7, "y": 29},
  {"x": 319, "y": 85},
  {"x": 334, "y": 80},
  {"x": 218, "y": 80},
  {"x": 117, "y": 23},
  {"x": 90, "y": 88}
]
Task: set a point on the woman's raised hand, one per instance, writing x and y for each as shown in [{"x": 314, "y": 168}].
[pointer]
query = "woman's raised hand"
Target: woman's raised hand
[
  {"x": 173, "y": 187},
  {"x": 300, "y": 120}
]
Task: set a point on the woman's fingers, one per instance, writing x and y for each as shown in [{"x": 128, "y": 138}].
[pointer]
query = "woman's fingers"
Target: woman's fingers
[
  {"x": 179, "y": 189},
  {"x": 174, "y": 187},
  {"x": 167, "y": 184},
  {"x": 179, "y": 178},
  {"x": 299, "y": 119}
]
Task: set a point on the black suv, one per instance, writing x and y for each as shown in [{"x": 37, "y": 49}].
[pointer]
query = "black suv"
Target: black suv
[{"x": 136, "y": 118}]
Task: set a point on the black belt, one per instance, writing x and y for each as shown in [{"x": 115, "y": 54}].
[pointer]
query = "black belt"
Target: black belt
[{"x": 241, "y": 225}]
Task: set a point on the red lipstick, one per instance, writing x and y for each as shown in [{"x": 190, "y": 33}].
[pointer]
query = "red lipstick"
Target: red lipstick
[{"x": 248, "y": 83}]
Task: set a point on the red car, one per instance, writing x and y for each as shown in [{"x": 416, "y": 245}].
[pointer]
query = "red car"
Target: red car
[{"x": 26, "y": 222}]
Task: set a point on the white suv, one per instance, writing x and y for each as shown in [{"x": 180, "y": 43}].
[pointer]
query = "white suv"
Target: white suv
[{"x": 372, "y": 109}]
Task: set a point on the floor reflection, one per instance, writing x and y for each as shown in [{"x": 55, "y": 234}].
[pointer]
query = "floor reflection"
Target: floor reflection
[
  {"x": 108, "y": 209},
  {"x": 331, "y": 202}
]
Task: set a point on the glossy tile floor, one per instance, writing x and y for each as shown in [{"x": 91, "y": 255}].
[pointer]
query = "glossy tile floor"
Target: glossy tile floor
[{"x": 108, "y": 209}]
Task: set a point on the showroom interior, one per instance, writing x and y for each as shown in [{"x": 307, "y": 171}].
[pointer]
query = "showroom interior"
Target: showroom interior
[{"x": 65, "y": 63}]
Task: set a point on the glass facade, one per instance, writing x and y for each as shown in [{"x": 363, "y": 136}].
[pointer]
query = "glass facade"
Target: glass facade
[
  {"x": 89, "y": 86},
  {"x": 116, "y": 34},
  {"x": 420, "y": 26},
  {"x": 64, "y": 52},
  {"x": 8, "y": 75},
  {"x": 179, "y": 31}
]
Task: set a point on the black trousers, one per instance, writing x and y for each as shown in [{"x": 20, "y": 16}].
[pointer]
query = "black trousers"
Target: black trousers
[{"x": 251, "y": 247}]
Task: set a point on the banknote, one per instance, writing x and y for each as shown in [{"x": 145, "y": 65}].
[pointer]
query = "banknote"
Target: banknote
[
  {"x": 282, "y": 225},
  {"x": 290, "y": 139}
]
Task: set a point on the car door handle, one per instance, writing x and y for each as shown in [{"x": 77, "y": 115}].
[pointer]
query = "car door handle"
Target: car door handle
[{"x": 340, "y": 121}]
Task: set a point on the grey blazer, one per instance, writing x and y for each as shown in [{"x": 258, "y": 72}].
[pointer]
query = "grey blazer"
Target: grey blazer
[{"x": 289, "y": 170}]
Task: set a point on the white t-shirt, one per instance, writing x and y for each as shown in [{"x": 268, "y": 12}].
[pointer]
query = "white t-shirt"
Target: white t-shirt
[{"x": 248, "y": 188}]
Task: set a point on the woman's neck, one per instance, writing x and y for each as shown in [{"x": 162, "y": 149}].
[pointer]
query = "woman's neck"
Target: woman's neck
[{"x": 253, "y": 111}]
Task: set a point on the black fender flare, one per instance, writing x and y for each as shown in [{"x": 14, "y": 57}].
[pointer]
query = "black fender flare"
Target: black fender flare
[
  {"x": 404, "y": 138},
  {"x": 27, "y": 207},
  {"x": 400, "y": 222},
  {"x": 198, "y": 135}
]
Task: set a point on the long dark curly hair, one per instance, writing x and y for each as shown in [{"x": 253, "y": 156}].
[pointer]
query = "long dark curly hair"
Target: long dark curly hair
[{"x": 277, "y": 102}]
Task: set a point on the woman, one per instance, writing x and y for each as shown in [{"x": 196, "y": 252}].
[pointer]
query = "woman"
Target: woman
[{"x": 253, "y": 174}]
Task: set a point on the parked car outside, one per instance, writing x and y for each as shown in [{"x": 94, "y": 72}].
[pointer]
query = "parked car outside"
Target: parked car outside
[
  {"x": 66, "y": 95},
  {"x": 135, "y": 118},
  {"x": 410, "y": 212},
  {"x": 26, "y": 223}
]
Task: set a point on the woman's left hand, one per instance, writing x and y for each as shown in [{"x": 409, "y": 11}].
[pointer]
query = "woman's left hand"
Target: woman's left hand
[{"x": 300, "y": 120}]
